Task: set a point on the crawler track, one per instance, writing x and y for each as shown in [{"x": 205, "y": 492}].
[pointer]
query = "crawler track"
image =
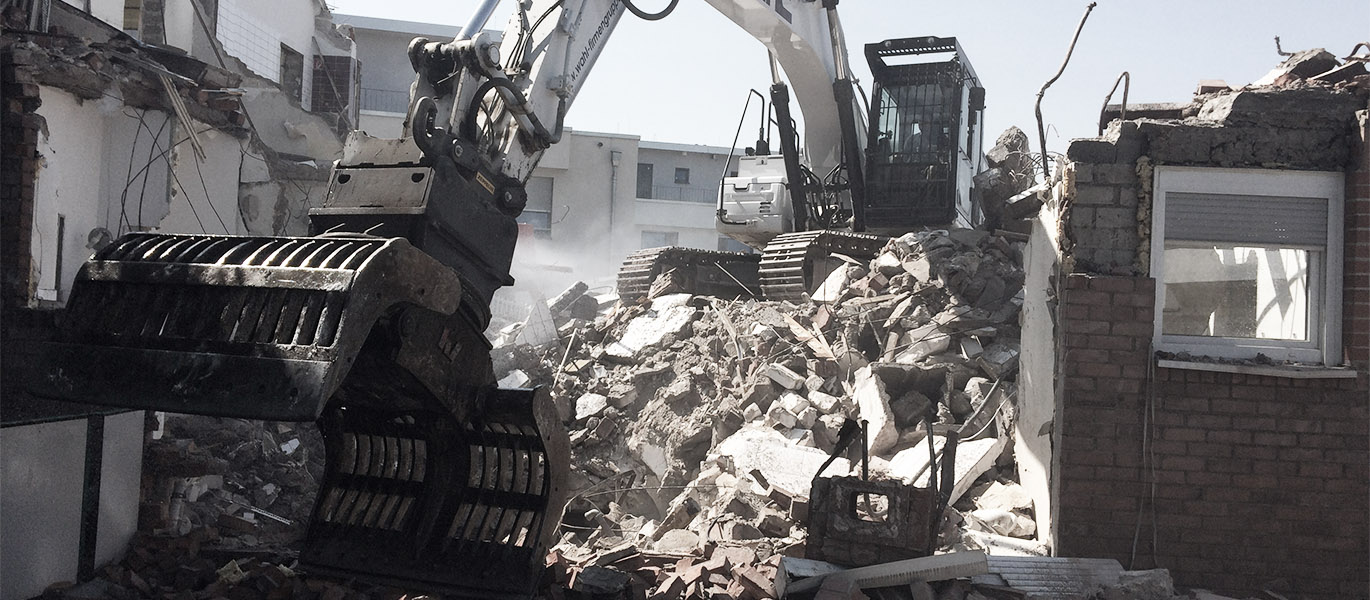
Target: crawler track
[
  {"x": 707, "y": 272},
  {"x": 788, "y": 264}
]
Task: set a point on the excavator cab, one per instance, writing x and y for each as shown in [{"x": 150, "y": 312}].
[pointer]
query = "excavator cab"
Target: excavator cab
[{"x": 924, "y": 122}]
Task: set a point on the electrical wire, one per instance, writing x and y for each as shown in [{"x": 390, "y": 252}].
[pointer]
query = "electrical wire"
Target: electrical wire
[{"x": 156, "y": 145}]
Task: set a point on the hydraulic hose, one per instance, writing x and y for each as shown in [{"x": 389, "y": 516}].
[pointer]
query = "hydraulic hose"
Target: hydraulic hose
[{"x": 641, "y": 14}]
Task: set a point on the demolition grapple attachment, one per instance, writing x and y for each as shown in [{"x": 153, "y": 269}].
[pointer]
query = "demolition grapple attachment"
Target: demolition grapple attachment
[{"x": 434, "y": 478}]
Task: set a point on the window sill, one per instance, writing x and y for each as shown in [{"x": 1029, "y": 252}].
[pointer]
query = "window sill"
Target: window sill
[{"x": 1286, "y": 371}]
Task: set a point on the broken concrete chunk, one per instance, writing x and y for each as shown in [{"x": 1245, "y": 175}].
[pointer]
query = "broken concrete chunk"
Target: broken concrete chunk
[
  {"x": 778, "y": 416},
  {"x": 1005, "y": 497},
  {"x": 911, "y": 409},
  {"x": 751, "y": 413},
  {"x": 794, "y": 402},
  {"x": 921, "y": 342},
  {"x": 1153, "y": 584},
  {"x": 596, "y": 581},
  {"x": 784, "y": 376},
  {"x": 590, "y": 404},
  {"x": 774, "y": 524},
  {"x": 677, "y": 541},
  {"x": 1002, "y": 522},
  {"x": 622, "y": 395},
  {"x": 814, "y": 383},
  {"x": 515, "y": 379},
  {"x": 669, "y": 316},
  {"x": 825, "y": 403},
  {"x": 919, "y": 268},
  {"x": 874, "y": 406},
  {"x": 888, "y": 264},
  {"x": 999, "y": 360},
  {"x": 807, "y": 417},
  {"x": 833, "y": 287}
]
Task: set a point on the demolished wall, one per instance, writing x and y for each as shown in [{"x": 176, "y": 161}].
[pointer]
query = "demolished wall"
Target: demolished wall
[{"x": 1238, "y": 476}]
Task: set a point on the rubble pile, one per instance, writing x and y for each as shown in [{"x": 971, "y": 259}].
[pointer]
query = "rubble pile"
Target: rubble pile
[
  {"x": 698, "y": 424},
  {"x": 254, "y": 481}
]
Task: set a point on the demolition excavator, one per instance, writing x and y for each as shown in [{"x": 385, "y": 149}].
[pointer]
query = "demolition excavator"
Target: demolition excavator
[
  {"x": 866, "y": 169},
  {"x": 435, "y": 478}
]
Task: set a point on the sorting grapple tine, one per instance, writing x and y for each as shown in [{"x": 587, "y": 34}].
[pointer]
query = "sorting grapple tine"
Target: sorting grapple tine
[{"x": 434, "y": 479}]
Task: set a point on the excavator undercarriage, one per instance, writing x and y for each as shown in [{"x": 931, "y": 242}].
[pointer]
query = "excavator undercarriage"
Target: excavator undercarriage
[{"x": 791, "y": 266}]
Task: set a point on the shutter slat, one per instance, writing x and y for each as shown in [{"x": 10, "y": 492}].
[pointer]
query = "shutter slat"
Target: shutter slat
[{"x": 1256, "y": 220}]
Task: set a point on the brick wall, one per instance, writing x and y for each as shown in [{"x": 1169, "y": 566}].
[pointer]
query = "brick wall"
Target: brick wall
[
  {"x": 1232, "y": 481},
  {"x": 18, "y": 172}
]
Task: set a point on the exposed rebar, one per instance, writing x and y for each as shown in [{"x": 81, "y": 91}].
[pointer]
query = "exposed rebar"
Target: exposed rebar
[
  {"x": 1122, "y": 112},
  {"x": 1041, "y": 128}
]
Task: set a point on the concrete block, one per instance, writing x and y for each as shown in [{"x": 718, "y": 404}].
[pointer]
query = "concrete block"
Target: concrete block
[
  {"x": 874, "y": 406},
  {"x": 784, "y": 376},
  {"x": 1095, "y": 195}
]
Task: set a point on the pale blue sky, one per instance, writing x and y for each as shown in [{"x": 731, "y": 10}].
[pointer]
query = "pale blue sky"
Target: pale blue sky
[{"x": 684, "y": 79}]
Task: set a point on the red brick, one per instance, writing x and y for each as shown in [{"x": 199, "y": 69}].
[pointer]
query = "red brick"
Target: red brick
[
  {"x": 1184, "y": 434},
  {"x": 1088, "y": 298},
  {"x": 1113, "y": 284},
  {"x": 1096, "y": 369},
  {"x": 1134, "y": 329},
  {"x": 1182, "y": 463}
]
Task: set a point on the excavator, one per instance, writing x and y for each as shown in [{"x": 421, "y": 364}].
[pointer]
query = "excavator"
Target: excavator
[
  {"x": 901, "y": 162},
  {"x": 435, "y": 478}
]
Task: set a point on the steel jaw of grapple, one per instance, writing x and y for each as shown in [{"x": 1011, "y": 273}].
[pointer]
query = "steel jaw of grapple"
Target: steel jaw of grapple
[{"x": 434, "y": 479}]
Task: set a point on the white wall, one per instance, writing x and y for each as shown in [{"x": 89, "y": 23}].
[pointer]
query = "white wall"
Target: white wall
[
  {"x": 42, "y": 470},
  {"x": 692, "y": 220},
  {"x": 253, "y": 31},
  {"x": 1038, "y": 404},
  {"x": 40, "y": 528},
  {"x": 109, "y": 11},
  {"x": 121, "y": 477},
  {"x": 204, "y": 194},
  {"x": 93, "y": 174}
]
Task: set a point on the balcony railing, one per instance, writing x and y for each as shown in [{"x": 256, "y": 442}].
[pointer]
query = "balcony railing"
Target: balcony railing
[
  {"x": 682, "y": 193},
  {"x": 394, "y": 101}
]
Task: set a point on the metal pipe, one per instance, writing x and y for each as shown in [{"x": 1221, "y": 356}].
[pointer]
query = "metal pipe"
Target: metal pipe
[
  {"x": 1041, "y": 129},
  {"x": 478, "y": 20}
]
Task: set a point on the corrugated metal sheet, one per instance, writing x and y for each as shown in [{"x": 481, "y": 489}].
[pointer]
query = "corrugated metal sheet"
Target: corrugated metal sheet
[{"x": 1054, "y": 578}]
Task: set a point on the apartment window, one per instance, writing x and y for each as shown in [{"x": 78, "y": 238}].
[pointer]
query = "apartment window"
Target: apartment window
[
  {"x": 1248, "y": 262},
  {"x": 682, "y": 176},
  {"x": 538, "y": 211},
  {"x": 292, "y": 72},
  {"x": 644, "y": 180},
  {"x": 657, "y": 239}
]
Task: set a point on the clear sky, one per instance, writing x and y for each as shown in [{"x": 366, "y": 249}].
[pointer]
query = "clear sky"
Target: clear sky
[{"x": 684, "y": 79}]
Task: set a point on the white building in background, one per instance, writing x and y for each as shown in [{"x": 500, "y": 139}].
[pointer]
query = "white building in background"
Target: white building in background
[{"x": 593, "y": 199}]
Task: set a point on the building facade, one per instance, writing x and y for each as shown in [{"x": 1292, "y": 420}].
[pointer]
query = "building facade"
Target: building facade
[
  {"x": 594, "y": 197},
  {"x": 1196, "y": 369}
]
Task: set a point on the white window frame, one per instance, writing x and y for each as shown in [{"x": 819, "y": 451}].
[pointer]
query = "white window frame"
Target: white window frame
[{"x": 1325, "y": 272}]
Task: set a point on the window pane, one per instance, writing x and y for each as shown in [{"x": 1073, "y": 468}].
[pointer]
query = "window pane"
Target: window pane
[
  {"x": 1258, "y": 292},
  {"x": 644, "y": 180},
  {"x": 682, "y": 176},
  {"x": 657, "y": 239}
]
